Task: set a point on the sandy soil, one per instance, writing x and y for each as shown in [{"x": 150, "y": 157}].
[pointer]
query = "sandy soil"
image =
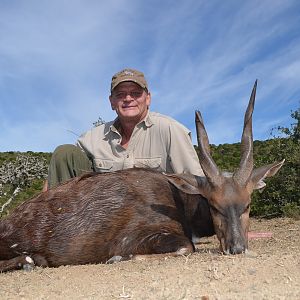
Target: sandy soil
[{"x": 270, "y": 271}]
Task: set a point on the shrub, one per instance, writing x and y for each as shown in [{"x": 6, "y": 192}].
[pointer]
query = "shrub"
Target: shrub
[{"x": 21, "y": 176}]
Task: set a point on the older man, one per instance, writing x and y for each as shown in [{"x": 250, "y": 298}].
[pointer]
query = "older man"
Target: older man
[{"x": 136, "y": 138}]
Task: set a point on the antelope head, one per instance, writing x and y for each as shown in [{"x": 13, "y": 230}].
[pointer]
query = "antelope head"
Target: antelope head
[{"x": 229, "y": 195}]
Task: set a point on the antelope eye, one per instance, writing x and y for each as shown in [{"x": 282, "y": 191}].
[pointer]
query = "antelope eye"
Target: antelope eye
[
  {"x": 217, "y": 211},
  {"x": 247, "y": 207},
  {"x": 214, "y": 209}
]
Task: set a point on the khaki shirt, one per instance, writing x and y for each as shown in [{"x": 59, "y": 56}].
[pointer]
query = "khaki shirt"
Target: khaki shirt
[{"x": 158, "y": 142}]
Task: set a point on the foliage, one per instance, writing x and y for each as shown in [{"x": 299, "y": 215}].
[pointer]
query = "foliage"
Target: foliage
[
  {"x": 99, "y": 122},
  {"x": 281, "y": 197},
  {"x": 21, "y": 176},
  {"x": 283, "y": 190},
  {"x": 294, "y": 131}
]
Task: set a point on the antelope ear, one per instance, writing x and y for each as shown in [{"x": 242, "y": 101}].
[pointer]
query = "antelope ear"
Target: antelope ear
[
  {"x": 186, "y": 183},
  {"x": 260, "y": 174}
]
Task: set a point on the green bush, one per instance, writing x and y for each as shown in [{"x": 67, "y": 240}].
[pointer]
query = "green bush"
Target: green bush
[
  {"x": 21, "y": 177},
  {"x": 281, "y": 197}
]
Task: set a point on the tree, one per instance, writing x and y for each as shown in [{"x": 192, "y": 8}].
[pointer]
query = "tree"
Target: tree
[
  {"x": 19, "y": 174},
  {"x": 282, "y": 195},
  {"x": 99, "y": 122},
  {"x": 294, "y": 131}
]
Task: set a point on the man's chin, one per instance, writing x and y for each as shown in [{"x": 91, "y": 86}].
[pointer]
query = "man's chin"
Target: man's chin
[
  {"x": 131, "y": 117},
  {"x": 130, "y": 113}
]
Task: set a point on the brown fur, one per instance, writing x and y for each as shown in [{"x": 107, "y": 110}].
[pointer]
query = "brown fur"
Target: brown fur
[{"x": 95, "y": 217}]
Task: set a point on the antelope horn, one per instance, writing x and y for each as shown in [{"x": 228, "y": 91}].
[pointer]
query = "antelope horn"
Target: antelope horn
[
  {"x": 244, "y": 171},
  {"x": 208, "y": 165}
]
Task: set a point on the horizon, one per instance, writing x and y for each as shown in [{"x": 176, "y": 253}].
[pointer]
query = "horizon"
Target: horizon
[{"x": 57, "y": 60}]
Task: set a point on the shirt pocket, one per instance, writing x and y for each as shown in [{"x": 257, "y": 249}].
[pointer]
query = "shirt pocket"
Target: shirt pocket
[
  {"x": 152, "y": 163},
  {"x": 103, "y": 165}
]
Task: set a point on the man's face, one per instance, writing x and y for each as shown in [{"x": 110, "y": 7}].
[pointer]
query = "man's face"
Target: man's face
[{"x": 130, "y": 101}]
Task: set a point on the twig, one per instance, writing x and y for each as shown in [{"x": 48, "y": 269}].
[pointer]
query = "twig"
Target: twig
[
  {"x": 16, "y": 191},
  {"x": 186, "y": 257},
  {"x": 124, "y": 295},
  {"x": 72, "y": 132}
]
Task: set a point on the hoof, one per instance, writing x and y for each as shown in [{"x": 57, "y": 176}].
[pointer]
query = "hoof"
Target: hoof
[
  {"x": 114, "y": 259},
  {"x": 29, "y": 265}
]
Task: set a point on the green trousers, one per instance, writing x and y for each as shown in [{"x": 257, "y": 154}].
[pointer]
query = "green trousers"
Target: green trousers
[{"x": 67, "y": 161}]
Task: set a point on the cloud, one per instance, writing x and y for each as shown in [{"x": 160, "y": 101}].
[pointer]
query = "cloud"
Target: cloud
[{"x": 57, "y": 58}]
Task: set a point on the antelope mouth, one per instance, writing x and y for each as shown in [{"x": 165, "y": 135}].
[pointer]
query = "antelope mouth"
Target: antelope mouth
[{"x": 238, "y": 248}]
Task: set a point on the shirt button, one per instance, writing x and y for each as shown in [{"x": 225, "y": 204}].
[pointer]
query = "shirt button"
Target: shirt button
[{"x": 127, "y": 155}]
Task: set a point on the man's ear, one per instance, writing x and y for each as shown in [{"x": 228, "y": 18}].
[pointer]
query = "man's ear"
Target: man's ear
[
  {"x": 111, "y": 103},
  {"x": 259, "y": 174},
  {"x": 148, "y": 99}
]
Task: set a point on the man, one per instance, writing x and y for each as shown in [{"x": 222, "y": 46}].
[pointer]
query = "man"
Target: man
[{"x": 136, "y": 138}]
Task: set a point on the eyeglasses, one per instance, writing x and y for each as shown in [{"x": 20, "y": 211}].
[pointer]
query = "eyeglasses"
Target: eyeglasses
[{"x": 133, "y": 94}]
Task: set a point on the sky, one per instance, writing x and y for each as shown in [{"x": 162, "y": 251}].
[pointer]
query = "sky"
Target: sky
[{"x": 57, "y": 58}]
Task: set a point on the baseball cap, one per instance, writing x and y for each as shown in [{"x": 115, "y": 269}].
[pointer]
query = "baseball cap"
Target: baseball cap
[{"x": 129, "y": 75}]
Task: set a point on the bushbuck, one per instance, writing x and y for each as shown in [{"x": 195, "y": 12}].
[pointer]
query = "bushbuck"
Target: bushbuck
[{"x": 98, "y": 218}]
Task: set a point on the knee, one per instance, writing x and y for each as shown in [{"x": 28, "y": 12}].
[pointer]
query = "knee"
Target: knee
[
  {"x": 64, "y": 149},
  {"x": 61, "y": 155},
  {"x": 71, "y": 156},
  {"x": 62, "y": 152}
]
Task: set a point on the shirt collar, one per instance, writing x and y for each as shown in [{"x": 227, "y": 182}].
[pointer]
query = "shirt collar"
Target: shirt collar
[
  {"x": 115, "y": 124},
  {"x": 148, "y": 120},
  {"x": 113, "y": 127}
]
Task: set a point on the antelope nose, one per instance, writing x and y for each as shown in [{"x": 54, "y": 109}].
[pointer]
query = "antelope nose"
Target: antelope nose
[{"x": 237, "y": 249}]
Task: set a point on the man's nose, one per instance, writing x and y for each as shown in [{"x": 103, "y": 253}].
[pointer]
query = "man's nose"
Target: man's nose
[{"x": 128, "y": 97}]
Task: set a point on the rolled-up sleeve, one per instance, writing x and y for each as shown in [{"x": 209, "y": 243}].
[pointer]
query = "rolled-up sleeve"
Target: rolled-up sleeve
[{"x": 182, "y": 154}]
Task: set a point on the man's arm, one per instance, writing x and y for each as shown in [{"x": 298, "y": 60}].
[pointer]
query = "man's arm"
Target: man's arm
[{"x": 182, "y": 153}]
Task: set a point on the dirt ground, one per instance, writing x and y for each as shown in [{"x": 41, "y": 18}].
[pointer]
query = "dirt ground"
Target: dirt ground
[{"x": 271, "y": 270}]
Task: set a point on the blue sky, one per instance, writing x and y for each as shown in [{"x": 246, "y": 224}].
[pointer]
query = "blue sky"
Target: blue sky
[{"x": 57, "y": 58}]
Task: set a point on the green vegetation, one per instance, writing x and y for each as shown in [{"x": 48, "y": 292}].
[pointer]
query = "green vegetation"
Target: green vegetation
[
  {"x": 281, "y": 197},
  {"x": 21, "y": 177}
]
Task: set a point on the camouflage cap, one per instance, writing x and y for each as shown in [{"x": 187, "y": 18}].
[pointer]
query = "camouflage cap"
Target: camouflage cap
[{"x": 129, "y": 75}]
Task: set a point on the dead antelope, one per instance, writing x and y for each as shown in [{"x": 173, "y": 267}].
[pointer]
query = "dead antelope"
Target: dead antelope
[
  {"x": 229, "y": 195},
  {"x": 99, "y": 218},
  {"x": 103, "y": 217}
]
